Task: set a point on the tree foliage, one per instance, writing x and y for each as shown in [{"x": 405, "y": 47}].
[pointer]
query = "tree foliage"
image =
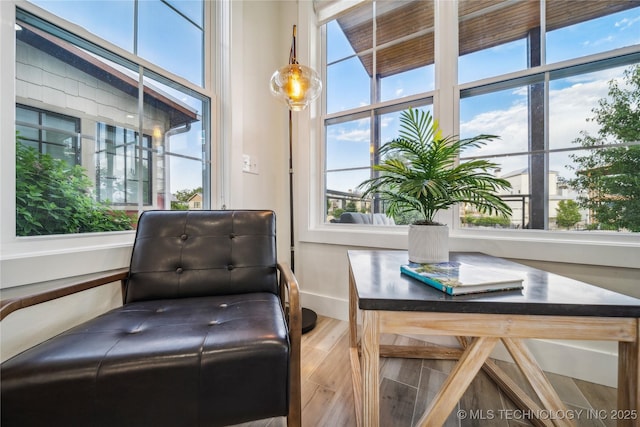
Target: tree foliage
[
  {"x": 567, "y": 213},
  {"x": 609, "y": 178},
  {"x": 486, "y": 221},
  {"x": 53, "y": 197}
]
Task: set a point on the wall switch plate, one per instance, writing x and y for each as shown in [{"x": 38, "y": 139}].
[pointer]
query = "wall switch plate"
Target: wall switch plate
[{"x": 249, "y": 164}]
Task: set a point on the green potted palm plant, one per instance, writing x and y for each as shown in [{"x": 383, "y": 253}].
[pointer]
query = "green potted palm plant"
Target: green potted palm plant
[{"x": 419, "y": 172}]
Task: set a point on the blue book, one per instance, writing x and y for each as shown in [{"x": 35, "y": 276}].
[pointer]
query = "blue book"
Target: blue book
[{"x": 455, "y": 278}]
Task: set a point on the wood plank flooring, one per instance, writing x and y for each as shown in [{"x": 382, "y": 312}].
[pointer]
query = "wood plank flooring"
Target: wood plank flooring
[{"x": 407, "y": 385}]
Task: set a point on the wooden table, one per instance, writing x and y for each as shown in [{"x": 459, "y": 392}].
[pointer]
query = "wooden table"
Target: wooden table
[{"x": 549, "y": 307}]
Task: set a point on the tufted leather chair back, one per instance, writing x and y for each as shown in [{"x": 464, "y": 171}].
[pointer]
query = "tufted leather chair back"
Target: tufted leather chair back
[{"x": 181, "y": 254}]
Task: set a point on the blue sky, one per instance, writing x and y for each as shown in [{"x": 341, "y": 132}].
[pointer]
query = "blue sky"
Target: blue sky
[
  {"x": 162, "y": 39},
  {"x": 501, "y": 113}
]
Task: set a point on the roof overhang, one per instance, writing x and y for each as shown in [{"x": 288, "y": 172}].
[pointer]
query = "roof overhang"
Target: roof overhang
[
  {"x": 405, "y": 31},
  {"x": 178, "y": 113}
]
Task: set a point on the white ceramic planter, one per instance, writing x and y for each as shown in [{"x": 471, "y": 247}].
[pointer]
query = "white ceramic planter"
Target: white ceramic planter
[{"x": 428, "y": 243}]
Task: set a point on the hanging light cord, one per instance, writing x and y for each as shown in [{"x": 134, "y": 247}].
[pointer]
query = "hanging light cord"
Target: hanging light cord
[{"x": 292, "y": 52}]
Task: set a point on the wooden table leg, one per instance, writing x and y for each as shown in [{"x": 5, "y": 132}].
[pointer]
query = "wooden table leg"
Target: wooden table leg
[
  {"x": 511, "y": 389},
  {"x": 370, "y": 369},
  {"x": 458, "y": 381},
  {"x": 515, "y": 393},
  {"x": 353, "y": 312},
  {"x": 629, "y": 382},
  {"x": 354, "y": 356},
  {"x": 537, "y": 379},
  {"x": 356, "y": 381}
]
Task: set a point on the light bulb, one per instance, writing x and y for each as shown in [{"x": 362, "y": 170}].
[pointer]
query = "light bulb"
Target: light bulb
[{"x": 296, "y": 85}]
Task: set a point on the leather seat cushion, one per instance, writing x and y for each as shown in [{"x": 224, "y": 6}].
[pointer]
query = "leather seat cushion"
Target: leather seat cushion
[{"x": 212, "y": 357}]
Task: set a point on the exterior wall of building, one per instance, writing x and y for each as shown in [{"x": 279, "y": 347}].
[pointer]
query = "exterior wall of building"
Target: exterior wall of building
[
  {"x": 47, "y": 83},
  {"x": 195, "y": 202}
]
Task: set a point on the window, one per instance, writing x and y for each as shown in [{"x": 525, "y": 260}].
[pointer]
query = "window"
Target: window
[
  {"x": 118, "y": 159},
  {"x": 99, "y": 137},
  {"x": 554, "y": 80},
  {"x": 549, "y": 121},
  {"x": 376, "y": 67},
  {"x": 166, "y": 32},
  {"x": 49, "y": 133}
]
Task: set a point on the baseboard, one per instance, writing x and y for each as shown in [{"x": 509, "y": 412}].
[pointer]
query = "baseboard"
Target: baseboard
[
  {"x": 335, "y": 308},
  {"x": 580, "y": 360}
]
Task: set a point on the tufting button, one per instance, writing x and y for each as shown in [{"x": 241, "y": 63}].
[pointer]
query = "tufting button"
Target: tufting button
[
  {"x": 230, "y": 267},
  {"x": 232, "y": 236},
  {"x": 184, "y": 237},
  {"x": 179, "y": 270}
]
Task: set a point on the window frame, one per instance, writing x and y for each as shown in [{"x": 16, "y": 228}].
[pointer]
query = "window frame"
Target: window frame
[
  {"x": 63, "y": 256},
  {"x": 607, "y": 248},
  {"x": 77, "y": 149},
  {"x": 145, "y": 151}
]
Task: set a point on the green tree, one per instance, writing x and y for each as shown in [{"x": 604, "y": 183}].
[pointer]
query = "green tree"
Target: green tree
[
  {"x": 609, "y": 178},
  {"x": 337, "y": 212},
  {"x": 179, "y": 206},
  {"x": 351, "y": 207},
  {"x": 567, "y": 213},
  {"x": 53, "y": 197}
]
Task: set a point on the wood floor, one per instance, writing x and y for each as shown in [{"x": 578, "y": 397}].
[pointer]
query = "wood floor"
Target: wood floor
[{"x": 408, "y": 384}]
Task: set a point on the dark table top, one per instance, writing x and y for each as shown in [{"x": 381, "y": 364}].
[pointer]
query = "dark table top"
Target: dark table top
[{"x": 381, "y": 286}]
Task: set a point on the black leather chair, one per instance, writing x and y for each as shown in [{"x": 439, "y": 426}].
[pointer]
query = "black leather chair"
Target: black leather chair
[{"x": 208, "y": 335}]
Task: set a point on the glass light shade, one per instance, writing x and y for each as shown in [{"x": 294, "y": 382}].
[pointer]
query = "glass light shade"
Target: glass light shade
[{"x": 296, "y": 85}]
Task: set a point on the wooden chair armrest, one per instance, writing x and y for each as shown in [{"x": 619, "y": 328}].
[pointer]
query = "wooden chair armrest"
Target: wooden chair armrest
[
  {"x": 290, "y": 294},
  {"x": 9, "y": 305}
]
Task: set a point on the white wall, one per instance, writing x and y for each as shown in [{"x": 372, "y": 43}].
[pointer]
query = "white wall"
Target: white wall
[
  {"x": 260, "y": 41},
  {"x": 27, "y": 327},
  {"x": 258, "y": 44}
]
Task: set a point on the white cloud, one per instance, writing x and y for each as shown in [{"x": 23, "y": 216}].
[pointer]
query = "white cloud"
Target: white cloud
[
  {"x": 625, "y": 23},
  {"x": 600, "y": 42},
  {"x": 569, "y": 110},
  {"x": 386, "y": 120},
  {"x": 356, "y": 131},
  {"x": 570, "y": 103},
  {"x": 507, "y": 124},
  {"x": 355, "y": 135}
]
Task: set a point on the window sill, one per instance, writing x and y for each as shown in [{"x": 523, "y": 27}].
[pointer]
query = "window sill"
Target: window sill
[
  {"x": 33, "y": 260},
  {"x": 591, "y": 248}
]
